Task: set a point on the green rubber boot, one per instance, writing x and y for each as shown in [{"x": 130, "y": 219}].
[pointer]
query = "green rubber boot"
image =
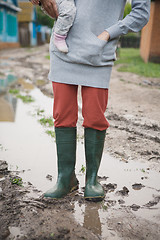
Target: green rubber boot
[
  {"x": 66, "y": 154},
  {"x": 94, "y": 143}
]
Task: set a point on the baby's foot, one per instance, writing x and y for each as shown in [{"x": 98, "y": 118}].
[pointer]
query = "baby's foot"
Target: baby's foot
[{"x": 60, "y": 43}]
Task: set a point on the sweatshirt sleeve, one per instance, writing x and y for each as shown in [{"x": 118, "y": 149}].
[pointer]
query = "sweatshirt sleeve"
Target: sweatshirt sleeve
[{"x": 134, "y": 21}]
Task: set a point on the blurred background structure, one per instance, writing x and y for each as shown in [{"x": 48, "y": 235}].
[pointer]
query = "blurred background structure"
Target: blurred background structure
[
  {"x": 31, "y": 32},
  {"x": 20, "y": 24},
  {"x": 8, "y": 23},
  {"x": 150, "y": 37},
  {"x": 27, "y": 24}
]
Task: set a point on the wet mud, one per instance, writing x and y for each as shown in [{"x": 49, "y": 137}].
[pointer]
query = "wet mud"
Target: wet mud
[{"x": 129, "y": 172}]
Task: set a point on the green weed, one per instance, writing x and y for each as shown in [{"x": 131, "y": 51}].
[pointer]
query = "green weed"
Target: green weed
[
  {"x": 51, "y": 133},
  {"x": 83, "y": 169},
  {"x": 39, "y": 112},
  {"x": 47, "y": 121},
  {"x": 17, "y": 180},
  {"x": 52, "y": 234},
  {"x": 80, "y": 137},
  {"x": 47, "y": 57},
  {"x": 14, "y": 91},
  {"x": 25, "y": 99},
  {"x": 104, "y": 207}
]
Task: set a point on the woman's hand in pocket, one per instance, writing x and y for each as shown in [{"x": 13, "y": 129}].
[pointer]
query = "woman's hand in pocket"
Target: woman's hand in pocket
[{"x": 104, "y": 36}]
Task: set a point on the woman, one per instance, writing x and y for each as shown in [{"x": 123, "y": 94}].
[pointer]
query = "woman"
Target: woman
[{"x": 92, "y": 43}]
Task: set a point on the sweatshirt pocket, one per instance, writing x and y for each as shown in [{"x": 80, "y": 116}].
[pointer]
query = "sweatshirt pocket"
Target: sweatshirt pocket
[
  {"x": 87, "y": 50},
  {"x": 90, "y": 52}
]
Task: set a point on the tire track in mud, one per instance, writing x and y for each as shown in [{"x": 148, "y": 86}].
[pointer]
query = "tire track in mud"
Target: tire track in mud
[
  {"x": 136, "y": 128},
  {"x": 134, "y": 138},
  {"x": 130, "y": 137}
]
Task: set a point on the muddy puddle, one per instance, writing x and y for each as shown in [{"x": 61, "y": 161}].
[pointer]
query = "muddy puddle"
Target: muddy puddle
[{"x": 27, "y": 143}]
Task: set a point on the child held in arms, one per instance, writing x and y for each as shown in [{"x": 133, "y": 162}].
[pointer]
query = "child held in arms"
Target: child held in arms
[{"x": 67, "y": 12}]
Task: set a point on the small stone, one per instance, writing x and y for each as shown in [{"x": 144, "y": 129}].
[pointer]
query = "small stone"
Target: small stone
[
  {"x": 49, "y": 177},
  {"x": 135, "y": 207},
  {"x": 29, "y": 183},
  {"x": 121, "y": 201},
  {"x": 104, "y": 178},
  {"x": 123, "y": 192},
  {"x": 147, "y": 82},
  {"x": 110, "y": 187},
  {"x": 144, "y": 178},
  {"x": 3, "y": 166},
  {"x": 63, "y": 230},
  {"x": 137, "y": 186},
  {"x": 2, "y": 179}
]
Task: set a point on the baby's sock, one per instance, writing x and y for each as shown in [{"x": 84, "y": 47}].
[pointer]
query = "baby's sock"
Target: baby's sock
[{"x": 60, "y": 42}]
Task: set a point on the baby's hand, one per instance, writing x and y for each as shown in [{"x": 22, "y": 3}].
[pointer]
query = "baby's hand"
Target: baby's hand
[{"x": 34, "y": 2}]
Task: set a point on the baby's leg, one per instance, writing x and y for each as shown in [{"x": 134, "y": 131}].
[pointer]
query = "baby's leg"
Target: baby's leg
[{"x": 67, "y": 12}]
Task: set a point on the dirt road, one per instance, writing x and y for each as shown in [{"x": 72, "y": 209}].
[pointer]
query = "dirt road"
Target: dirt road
[{"x": 133, "y": 140}]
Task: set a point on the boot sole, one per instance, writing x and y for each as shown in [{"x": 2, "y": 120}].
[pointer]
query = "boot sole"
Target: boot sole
[
  {"x": 94, "y": 199},
  {"x": 73, "y": 189}
]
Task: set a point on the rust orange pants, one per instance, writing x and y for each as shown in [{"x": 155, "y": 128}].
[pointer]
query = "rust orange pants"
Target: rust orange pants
[{"x": 65, "y": 108}]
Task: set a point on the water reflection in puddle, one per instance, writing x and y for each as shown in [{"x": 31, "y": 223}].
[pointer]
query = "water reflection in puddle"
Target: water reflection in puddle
[
  {"x": 94, "y": 215},
  {"x": 29, "y": 148},
  {"x": 7, "y": 108},
  {"x": 94, "y": 218}
]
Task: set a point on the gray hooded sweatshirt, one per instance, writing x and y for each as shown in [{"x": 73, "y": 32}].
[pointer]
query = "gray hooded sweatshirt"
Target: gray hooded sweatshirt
[{"x": 89, "y": 60}]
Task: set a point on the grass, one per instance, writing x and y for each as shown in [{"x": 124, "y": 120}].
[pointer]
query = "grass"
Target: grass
[
  {"x": 104, "y": 207},
  {"x": 39, "y": 112},
  {"x": 25, "y": 99},
  {"x": 132, "y": 62},
  {"x": 80, "y": 137},
  {"x": 47, "y": 57},
  {"x": 17, "y": 180},
  {"x": 52, "y": 235},
  {"x": 122, "y": 80},
  {"x": 83, "y": 169},
  {"x": 47, "y": 121},
  {"x": 13, "y": 91},
  {"x": 51, "y": 133}
]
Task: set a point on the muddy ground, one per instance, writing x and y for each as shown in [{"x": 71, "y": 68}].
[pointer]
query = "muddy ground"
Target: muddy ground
[{"x": 134, "y": 135}]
